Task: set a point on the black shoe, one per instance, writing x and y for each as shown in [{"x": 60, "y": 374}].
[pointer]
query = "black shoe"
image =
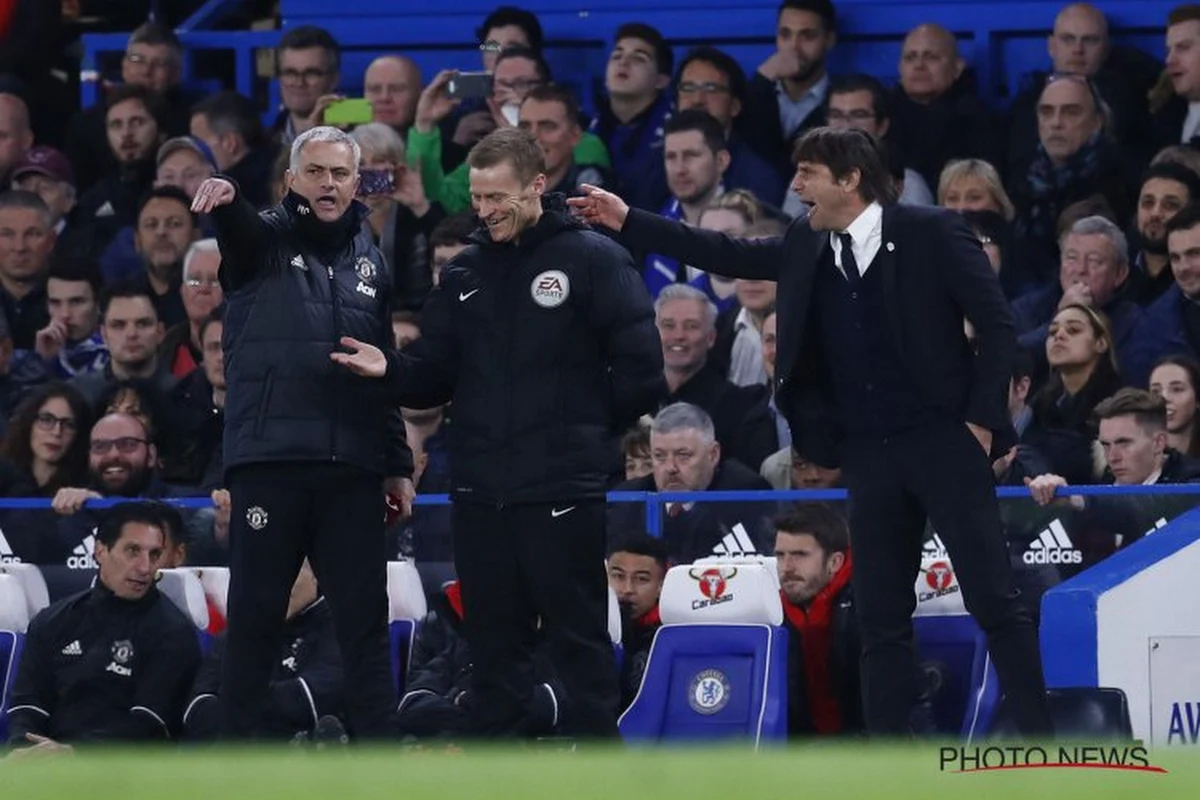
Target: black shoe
[{"x": 329, "y": 733}]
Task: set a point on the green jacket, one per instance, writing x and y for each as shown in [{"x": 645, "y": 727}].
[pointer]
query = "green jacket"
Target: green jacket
[{"x": 453, "y": 191}]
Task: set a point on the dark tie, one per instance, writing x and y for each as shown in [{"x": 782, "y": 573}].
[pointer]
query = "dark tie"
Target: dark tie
[{"x": 849, "y": 265}]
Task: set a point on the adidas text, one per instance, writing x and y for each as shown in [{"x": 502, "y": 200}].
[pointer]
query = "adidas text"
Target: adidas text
[{"x": 1053, "y": 557}]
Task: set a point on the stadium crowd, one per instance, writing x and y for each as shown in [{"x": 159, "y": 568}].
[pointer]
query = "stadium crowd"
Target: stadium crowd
[{"x": 1085, "y": 195}]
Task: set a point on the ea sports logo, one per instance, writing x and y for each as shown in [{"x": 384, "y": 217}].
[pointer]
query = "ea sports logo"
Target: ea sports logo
[{"x": 550, "y": 289}]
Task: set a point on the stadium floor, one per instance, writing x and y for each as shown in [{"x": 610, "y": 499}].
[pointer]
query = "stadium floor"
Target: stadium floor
[{"x": 821, "y": 772}]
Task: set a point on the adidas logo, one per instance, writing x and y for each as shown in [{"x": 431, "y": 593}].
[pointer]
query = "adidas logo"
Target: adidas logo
[
  {"x": 73, "y": 649},
  {"x": 298, "y": 263},
  {"x": 7, "y": 556},
  {"x": 81, "y": 556},
  {"x": 106, "y": 210},
  {"x": 736, "y": 543},
  {"x": 934, "y": 550},
  {"x": 1053, "y": 546}
]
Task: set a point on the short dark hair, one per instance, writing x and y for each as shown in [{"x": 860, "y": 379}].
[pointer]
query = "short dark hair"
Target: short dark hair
[
  {"x": 156, "y": 34},
  {"x": 1187, "y": 218},
  {"x": 861, "y": 82},
  {"x": 504, "y": 16},
  {"x": 819, "y": 521},
  {"x": 75, "y": 267},
  {"x": 514, "y": 146},
  {"x": 636, "y": 440},
  {"x": 231, "y": 111},
  {"x": 641, "y": 544},
  {"x": 557, "y": 93},
  {"x": 452, "y": 231},
  {"x": 154, "y": 104},
  {"x": 306, "y": 37},
  {"x": 214, "y": 317},
  {"x": 663, "y": 56},
  {"x": 697, "y": 119},
  {"x": 21, "y": 198},
  {"x": 1149, "y": 409},
  {"x": 528, "y": 53},
  {"x": 128, "y": 288},
  {"x": 843, "y": 151},
  {"x": 168, "y": 193},
  {"x": 1169, "y": 171},
  {"x": 822, "y": 8},
  {"x": 723, "y": 62},
  {"x": 113, "y": 523},
  {"x": 172, "y": 521}
]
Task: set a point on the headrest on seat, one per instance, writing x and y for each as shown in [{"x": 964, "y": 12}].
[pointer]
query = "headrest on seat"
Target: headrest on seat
[
  {"x": 185, "y": 591},
  {"x": 14, "y": 608},
  {"x": 937, "y": 588},
  {"x": 33, "y": 583},
  {"x": 406, "y": 594},
  {"x": 719, "y": 590},
  {"x": 770, "y": 562},
  {"x": 614, "y": 617},
  {"x": 215, "y": 581}
]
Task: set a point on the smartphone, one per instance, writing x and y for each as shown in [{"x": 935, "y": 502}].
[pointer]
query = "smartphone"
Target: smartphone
[
  {"x": 356, "y": 111},
  {"x": 470, "y": 85},
  {"x": 375, "y": 182}
]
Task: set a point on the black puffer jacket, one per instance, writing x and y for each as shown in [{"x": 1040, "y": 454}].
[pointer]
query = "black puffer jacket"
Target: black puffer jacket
[
  {"x": 548, "y": 350},
  {"x": 294, "y": 286}
]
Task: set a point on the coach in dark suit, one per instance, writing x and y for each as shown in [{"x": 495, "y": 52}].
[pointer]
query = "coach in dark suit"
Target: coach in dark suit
[{"x": 875, "y": 375}]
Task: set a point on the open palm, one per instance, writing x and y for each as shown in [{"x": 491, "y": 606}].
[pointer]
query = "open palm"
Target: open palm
[{"x": 362, "y": 359}]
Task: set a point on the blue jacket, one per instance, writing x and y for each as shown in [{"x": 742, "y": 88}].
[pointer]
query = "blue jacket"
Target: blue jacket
[
  {"x": 1159, "y": 333},
  {"x": 293, "y": 287}
]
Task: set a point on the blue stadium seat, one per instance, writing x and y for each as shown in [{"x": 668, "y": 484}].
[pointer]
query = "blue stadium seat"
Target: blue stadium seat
[
  {"x": 407, "y": 606},
  {"x": 10, "y": 656},
  {"x": 718, "y": 666},
  {"x": 969, "y": 692}
]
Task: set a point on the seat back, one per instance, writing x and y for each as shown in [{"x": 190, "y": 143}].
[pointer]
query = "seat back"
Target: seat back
[
  {"x": 183, "y": 588},
  {"x": 37, "y": 595},
  {"x": 14, "y": 608},
  {"x": 965, "y": 687},
  {"x": 11, "y": 644},
  {"x": 407, "y": 606},
  {"x": 1087, "y": 713},
  {"x": 614, "y": 618},
  {"x": 717, "y": 668},
  {"x": 215, "y": 581}
]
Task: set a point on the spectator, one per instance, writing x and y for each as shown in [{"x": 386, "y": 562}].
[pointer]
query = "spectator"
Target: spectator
[
  {"x": 448, "y": 239},
  {"x": 630, "y": 119},
  {"x": 995, "y": 238},
  {"x": 135, "y": 131},
  {"x": 1181, "y": 154},
  {"x": 552, "y": 115},
  {"x": 45, "y": 445},
  {"x": 1176, "y": 380},
  {"x": 812, "y": 552},
  {"x": 1175, "y": 102},
  {"x": 770, "y": 351},
  {"x": 201, "y": 293},
  {"x": 184, "y": 162},
  {"x": 153, "y": 60},
  {"x": 787, "y": 469},
  {"x": 47, "y": 173},
  {"x": 304, "y": 696},
  {"x": 1083, "y": 371},
  {"x": 392, "y": 85},
  {"x": 114, "y": 662},
  {"x": 140, "y": 399},
  {"x": 26, "y": 240},
  {"x": 688, "y": 458},
  {"x": 231, "y": 127},
  {"x": 1023, "y": 459},
  {"x": 16, "y": 137},
  {"x": 133, "y": 333},
  {"x": 308, "y": 63},
  {"x": 71, "y": 344},
  {"x": 686, "y": 322},
  {"x": 936, "y": 115},
  {"x": 192, "y": 441},
  {"x": 711, "y": 80},
  {"x": 400, "y": 221},
  {"x": 406, "y": 327},
  {"x": 1094, "y": 273},
  {"x": 744, "y": 319},
  {"x": 637, "y": 566},
  {"x": 166, "y": 229},
  {"x": 1077, "y": 159},
  {"x": 635, "y": 447},
  {"x": 732, "y": 213},
  {"x": 518, "y": 72},
  {"x": 1165, "y": 190},
  {"x": 787, "y": 93}
]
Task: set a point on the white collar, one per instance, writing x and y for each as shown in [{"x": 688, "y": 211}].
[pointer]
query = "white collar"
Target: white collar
[{"x": 866, "y": 223}]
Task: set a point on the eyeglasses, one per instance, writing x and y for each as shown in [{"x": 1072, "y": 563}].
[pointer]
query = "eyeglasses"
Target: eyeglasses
[
  {"x": 709, "y": 87},
  {"x": 205, "y": 283},
  {"x": 48, "y": 422},
  {"x": 310, "y": 75},
  {"x": 125, "y": 445},
  {"x": 520, "y": 86},
  {"x": 857, "y": 115},
  {"x": 156, "y": 64}
]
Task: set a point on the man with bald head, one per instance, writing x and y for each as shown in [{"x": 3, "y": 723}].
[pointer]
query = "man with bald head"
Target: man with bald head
[
  {"x": 1080, "y": 45},
  {"x": 16, "y": 137},
  {"x": 936, "y": 115},
  {"x": 392, "y": 85}
]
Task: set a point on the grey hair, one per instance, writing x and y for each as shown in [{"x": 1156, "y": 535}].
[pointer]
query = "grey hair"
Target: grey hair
[
  {"x": 20, "y": 198},
  {"x": 197, "y": 247},
  {"x": 1101, "y": 226},
  {"x": 682, "y": 291},
  {"x": 323, "y": 133},
  {"x": 379, "y": 140},
  {"x": 684, "y": 417}
]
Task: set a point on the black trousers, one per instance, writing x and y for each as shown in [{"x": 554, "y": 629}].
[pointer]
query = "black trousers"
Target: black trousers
[
  {"x": 941, "y": 473},
  {"x": 521, "y": 563},
  {"x": 335, "y": 516}
]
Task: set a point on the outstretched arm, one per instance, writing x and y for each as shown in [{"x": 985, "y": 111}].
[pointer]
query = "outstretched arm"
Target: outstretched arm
[{"x": 242, "y": 235}]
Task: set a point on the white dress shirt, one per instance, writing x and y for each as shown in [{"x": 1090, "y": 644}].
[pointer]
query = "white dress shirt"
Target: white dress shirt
[{"x": 866, "y": 237}]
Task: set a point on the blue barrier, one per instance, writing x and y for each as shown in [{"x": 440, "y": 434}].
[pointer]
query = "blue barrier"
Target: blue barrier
[{"x": 1001, "y": 42}]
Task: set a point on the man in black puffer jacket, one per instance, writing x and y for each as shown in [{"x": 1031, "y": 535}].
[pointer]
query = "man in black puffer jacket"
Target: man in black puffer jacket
[
  {"x": 309, "y": 448},
  {"x": 542, "y": 335}
]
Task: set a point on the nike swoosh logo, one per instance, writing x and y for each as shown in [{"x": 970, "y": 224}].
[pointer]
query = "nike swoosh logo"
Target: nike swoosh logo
[
  {"x": 558, "y": 512},
  {"x": 464, "y": 295}
]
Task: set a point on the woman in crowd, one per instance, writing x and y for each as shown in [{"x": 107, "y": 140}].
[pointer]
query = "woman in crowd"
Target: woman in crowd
[
  {"x": 1175, "y": 378},
  {"x": 46, "y": 445}
]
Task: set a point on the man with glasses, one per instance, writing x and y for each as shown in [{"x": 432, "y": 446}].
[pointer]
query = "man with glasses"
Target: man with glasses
[
  {"x": 308, "y": 63},
  {"x": 154, "y": 60},
  {"x": 201, "y": 292}
]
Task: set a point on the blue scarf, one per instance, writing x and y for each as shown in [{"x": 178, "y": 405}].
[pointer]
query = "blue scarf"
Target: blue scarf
[
  {"x": 81, "y": 358},
  {"x": 1053, "y": 188}
]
